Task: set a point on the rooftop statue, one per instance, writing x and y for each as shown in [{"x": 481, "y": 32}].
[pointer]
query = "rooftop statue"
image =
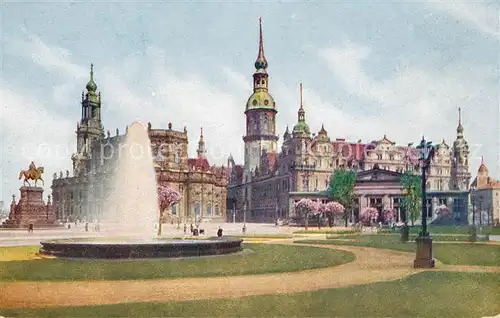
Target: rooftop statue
[{"x": 33, "y": 173}]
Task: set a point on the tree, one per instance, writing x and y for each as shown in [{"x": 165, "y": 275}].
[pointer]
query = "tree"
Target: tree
[
  {"x": 389, "y": 215},
  {"x": 369, "y": 215},
  {"x": 307, "y": 207},
  {"x": 332, "y": 208},
  {"x": 342, "y": 183},
  {"x": 412, "y": 195},
  {"x": 166, "y": 198}
]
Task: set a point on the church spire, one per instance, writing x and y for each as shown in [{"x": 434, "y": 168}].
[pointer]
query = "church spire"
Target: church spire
[
  {"x": 302, "y": 112},
  {"x": 460, "y": 128},
  {"x": 261, "y": 62},
  {"x": 201, "y": 145},
  {"x": 91, "y": 85}
]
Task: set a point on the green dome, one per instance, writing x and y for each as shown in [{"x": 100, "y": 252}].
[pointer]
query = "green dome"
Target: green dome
[
  {"x": 91, "y": 86},
  {"x": 301, "y": 127},
  {"x": 260, "y": 99}
]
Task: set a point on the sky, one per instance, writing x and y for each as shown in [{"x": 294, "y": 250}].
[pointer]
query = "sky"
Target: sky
[{"x": 368, "y": 68}]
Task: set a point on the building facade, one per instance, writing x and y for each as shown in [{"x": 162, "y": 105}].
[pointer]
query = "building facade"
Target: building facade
[
  {"x": 265, "y": 186},
  {"x": 485, "y": 198},
  {"x": 79, "y": 195}
]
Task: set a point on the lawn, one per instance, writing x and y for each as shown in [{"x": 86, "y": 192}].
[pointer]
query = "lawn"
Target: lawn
[
  {"x": 260, "y": 259},
  {"x": 428, "y": 294},
  {"x": 448, "y": 253},
  {"x": 449, "y": 229},
  {"x": 435, "y": 237}
]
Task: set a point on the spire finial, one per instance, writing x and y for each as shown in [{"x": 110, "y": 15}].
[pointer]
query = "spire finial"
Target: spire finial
[
  {"x": 301, "y": 97},
  {"x": 261, "y": 62},
  {"x": 482, "y": 160},
  {"x": 91, "y": 85},
  {"x": 201, "y": 132},
  {"x": 460, "y": 128}
]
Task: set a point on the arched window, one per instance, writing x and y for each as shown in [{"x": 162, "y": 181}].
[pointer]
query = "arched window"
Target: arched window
[
  {"x": 217, "y": 211},
  {"x": 196, "y": 209},
  {"x": 177, "y": 157},
  {"x": 209, "y": 209},
  {"x": 174, "y": 210}
]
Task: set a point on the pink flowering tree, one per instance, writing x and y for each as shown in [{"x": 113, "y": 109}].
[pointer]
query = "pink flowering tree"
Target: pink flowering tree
[
  {"x": 307, "y": 207},
  {"x": 368, "y": 215},
  {"x": 389, "y": 215},
  {"x": 443, "y": 210},
  {"x": 333, "y": 208},
  {"x": 166, "y": 198}
]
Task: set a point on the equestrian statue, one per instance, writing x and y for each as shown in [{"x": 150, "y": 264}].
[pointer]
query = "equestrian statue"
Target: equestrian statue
[{"x": 33, "y": 173}]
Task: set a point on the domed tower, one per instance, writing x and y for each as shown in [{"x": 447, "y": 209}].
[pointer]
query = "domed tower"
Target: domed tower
[
  {"x": 460, "y": 176},
  {"x": 260, "y": 114},
  {"x": 301, "y": 132},
  {"x": 89, "y": 130}
]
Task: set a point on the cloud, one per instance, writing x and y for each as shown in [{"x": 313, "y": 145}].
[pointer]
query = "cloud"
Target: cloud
[
  {"x": 30, "y": 125},
  {"x": 425, "y": 100},
  {"x": 484, "y": 16}
]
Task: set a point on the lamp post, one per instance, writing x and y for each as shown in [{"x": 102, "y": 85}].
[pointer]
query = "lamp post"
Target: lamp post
[
  {"x": 424, "y": 257},
  {"x": 181, "y": 188},
  {"x": 245, "y": 217},
  {"x": 473, "y": 198},
  {"x": 234, "y": 211}
]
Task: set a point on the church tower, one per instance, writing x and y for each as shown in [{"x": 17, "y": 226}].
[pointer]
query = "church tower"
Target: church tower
[
  {"x": 260, "y": 114},
  {"x": 89, "y": 131},
  {"x": 460, "y": 176}
]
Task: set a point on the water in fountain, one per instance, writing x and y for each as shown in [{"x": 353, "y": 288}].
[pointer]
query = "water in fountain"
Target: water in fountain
[{"x": 131, "y": 207}]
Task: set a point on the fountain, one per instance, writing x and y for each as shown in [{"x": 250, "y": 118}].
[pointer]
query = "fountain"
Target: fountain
[{"x": 132, "y": 209}]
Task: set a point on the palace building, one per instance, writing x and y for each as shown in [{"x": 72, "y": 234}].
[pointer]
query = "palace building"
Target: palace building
[
  {"x": 271, "y": 179},
  {"x": 79, "y": 195}
]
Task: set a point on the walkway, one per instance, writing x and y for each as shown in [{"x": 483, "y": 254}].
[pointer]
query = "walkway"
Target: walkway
[{"x": 371, "y": 265}]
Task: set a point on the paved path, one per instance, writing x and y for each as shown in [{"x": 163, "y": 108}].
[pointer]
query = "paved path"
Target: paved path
[{"x": 371, "y": 265}]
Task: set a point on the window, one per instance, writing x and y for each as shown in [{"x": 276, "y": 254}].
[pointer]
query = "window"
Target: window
[
  {"x": 209, "y": 209},
  {"x": 174, "y": 210},
  {"x": 429, "y": 208},
  {"x": 217, "y": 212},
  {"x": 196, "y": 209},
  {"x": 379, "y": 156},
  {"x": 177, "y": 157}
]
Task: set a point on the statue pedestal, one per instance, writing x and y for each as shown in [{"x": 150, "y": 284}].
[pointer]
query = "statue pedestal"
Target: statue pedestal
[
  {"x": 31, "y": 209},
  {"x": 424, "y": 258}
]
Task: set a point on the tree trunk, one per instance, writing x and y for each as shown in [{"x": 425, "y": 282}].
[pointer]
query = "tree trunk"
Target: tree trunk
[
  {"x": 306, "y": 221},
  {"x": 319, "y": 225}
]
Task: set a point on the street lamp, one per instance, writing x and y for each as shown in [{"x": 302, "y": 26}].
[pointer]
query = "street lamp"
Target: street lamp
[
  {"x": 245, "y": 216},
  {"x": 473, "y": 197},
  {"x": 424, "y": 257}
]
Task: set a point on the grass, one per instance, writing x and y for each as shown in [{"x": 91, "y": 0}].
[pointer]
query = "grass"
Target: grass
[
  {"x": 449, "y": 253},
  {"x": 326, "y": 231},
  {"x": 264, "y": 259},
  {"x": 428, "y": 294},
  {"x": 435, "y": 237},
  {"x": 263, "y": 236},
  {"x": 450, "y": 229}
]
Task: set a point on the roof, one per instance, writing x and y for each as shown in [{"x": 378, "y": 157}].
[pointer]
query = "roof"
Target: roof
[
  {"x": 199, "y": 163},
  {"x": 350, "y": 150}
]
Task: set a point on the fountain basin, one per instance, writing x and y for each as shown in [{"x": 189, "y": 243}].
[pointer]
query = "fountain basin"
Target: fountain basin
[{"x": 139, "y": 248}]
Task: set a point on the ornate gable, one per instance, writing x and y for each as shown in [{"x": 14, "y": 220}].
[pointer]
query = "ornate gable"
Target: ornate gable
[{"x": 376, "y": 175}]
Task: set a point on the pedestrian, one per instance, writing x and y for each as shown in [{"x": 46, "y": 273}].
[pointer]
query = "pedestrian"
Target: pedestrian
[{"x": 219, "y": 232}]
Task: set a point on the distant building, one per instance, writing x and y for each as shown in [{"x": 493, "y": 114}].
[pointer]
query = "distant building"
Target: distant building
[
  {"x": 80, "y": 195},
  {"x": 485, "y": 197},
  {"x": 265, "y": 186}
]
